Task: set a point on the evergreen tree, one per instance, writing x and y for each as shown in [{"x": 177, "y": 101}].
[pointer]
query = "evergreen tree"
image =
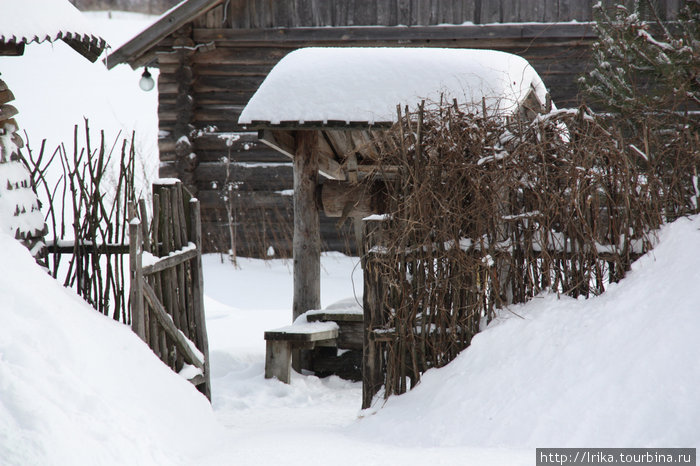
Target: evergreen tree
[{"x": 642, "y": 64}]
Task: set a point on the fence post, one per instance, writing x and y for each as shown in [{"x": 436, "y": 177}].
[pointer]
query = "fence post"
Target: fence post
[
  {"x": 198, "y": 292},
  {"x": 138, "y": 324},
  {"x": 372, "y": 354}
]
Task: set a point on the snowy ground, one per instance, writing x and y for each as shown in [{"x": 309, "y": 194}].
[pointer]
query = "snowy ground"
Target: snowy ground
[{"x": 79, "y": 389}]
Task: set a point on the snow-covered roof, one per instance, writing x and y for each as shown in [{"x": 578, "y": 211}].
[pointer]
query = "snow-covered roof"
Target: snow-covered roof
[
  {"x": 27, "y": 21},
  {"x": 365, "y": 85}
]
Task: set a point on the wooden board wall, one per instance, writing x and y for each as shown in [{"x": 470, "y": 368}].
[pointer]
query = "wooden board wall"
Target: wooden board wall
[
  {"x": 248, "y": 38},
  {"x": 304, "y": 13}
]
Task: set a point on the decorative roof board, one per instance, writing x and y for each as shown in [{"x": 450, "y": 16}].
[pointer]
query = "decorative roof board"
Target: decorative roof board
[
  {"x": 27, "y": 21},
  {"x": 364, "y": 85},
  {"x": 166, "y": 24}
]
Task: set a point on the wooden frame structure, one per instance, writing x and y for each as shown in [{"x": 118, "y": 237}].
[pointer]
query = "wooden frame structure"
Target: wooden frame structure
[
  {"x": 346, "y": 152},
  {"x": 213, "y": 55}
]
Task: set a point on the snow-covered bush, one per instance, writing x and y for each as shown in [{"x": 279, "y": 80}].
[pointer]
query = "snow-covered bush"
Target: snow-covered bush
[
  {"x": 646, "y": 72},
  {"x": 642, "y": 64},
  {"x": 483, "y": 213}
]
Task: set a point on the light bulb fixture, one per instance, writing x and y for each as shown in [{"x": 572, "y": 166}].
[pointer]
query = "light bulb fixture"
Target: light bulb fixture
[{"x": 146, "y": 83}]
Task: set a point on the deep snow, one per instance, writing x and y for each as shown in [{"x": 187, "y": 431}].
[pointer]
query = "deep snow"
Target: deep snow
[{"x": 77, "y": 388}]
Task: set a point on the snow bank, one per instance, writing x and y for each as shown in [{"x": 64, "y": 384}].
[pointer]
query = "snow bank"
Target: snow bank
[
  {"x": 78, "y": 388},
  {"x": 618, "y": 370},
  {"x": 366, "y": 84}
]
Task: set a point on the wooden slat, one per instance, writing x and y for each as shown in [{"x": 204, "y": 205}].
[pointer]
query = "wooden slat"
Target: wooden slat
[
  {"x": 173, "y": 332},
  {"x": 170, "y": 261},
  {"x": 138, "y": 324},
  {"x": 198, "y": 293}
]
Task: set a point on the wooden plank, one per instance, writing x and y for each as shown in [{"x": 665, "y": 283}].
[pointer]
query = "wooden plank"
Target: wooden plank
[
  {"x": 364, "y": 12},
  {"x": 403, "y": 12},
  {"x": 273, "y": 178},
  {"x": 322, "y": 11},
  {"x": 307, "y": 237},
  {"x": 386, "y": 12},
  {"x": 326, "y": 316},
  {"x": 393, "y": 34},
  {"x": 183, "y": 345},
  {"x": 291, "y": 334},
  {"x": 172, "y": 260},
  {"x": 183, "y": 13}
]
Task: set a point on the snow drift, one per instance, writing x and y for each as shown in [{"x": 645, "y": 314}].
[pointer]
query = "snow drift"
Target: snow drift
[
  {"x": 78, "y": 388},
  {"x": 618, "y": 370}
]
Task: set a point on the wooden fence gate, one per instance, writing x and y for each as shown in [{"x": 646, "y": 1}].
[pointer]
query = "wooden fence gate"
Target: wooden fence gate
[{"x": 167, "y": 300}]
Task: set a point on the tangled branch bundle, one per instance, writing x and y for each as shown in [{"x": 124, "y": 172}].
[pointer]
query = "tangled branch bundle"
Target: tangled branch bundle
[{"x": 484, "y": 213}]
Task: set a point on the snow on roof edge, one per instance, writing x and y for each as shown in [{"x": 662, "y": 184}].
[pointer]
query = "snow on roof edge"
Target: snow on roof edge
[{"x": 39, "y": 21}]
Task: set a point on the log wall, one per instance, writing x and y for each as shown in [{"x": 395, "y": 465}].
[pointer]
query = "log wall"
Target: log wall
[{"x": 235, "y": 45}]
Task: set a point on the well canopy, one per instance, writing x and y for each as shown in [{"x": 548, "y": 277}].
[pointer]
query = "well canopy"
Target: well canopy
[{"x": 364, "y": 85}]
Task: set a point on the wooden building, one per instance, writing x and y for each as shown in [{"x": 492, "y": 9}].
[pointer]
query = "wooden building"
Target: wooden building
[
  {"x": 213, "y": 55},
  {"x": 23, "y": 23}
]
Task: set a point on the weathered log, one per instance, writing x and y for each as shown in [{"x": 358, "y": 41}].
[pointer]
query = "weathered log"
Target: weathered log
[{"x": 307, "y": 234}]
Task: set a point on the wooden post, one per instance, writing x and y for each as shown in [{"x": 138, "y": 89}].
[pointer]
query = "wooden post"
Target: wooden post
[
  {"x": 202, "y": 340},
  {"x": 372, "y": 354},
  {"x": 307, "y": 227},
  {"x": 306, "y": 244},
  {"x": 138, "y": 324}
]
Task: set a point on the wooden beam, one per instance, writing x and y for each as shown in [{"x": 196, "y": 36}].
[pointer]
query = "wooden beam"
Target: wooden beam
[
  {"x": 399, "y": 33},
  {"x": 283, "y": 142},
  {"x": 307, "y": 230}
]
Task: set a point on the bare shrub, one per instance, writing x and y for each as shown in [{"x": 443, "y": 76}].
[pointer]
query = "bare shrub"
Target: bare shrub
[{"x": 487, "y": 212}]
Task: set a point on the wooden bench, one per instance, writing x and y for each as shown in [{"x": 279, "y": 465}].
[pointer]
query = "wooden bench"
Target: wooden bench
[
  {"x": 280, "y": 343},
  {"x": 350, "y": 326}
]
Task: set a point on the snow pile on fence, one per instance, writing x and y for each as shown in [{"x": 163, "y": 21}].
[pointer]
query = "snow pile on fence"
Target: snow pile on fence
[
  {"x": 78, "y": 388},
  {"x": 366, "y": 84},
  {"x": 618, "y": 369}
]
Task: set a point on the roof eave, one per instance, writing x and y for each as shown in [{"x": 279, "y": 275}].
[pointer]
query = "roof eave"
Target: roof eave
[
  {"x": 184, "y": 12},
  {"x": 316, "y": 125}
]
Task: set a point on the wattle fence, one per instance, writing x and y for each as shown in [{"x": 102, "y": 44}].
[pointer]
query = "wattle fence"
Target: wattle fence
[{"x": 166, "y": 283}]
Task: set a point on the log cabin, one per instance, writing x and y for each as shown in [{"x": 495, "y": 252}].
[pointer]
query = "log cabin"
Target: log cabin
[
  {"x": 23, "y": 23},
  {"x": 214, "y": 54}
]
